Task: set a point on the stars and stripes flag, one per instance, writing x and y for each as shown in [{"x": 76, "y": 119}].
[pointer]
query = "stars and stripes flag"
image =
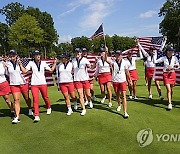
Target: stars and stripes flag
[
  {"x": 157, "y": 42},
  {"x": 48, "y": 75},
  {"x": 158, "y": 75},
  {"x": 99, "y": 33}
]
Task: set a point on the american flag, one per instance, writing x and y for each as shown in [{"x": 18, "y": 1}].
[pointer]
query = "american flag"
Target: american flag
[
  {"x": 157, "y": 42},
  {"x": 98, "y": 33},
  {"x": 48, "y": 75},
  {"x": 92, "y": 59},
  {"x": 158, "y": 75}
]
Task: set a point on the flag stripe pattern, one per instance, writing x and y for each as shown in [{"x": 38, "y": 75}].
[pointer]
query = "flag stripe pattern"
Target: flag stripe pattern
[
  {"x": 146, "y": 42},
  {"x": 98, "y": 33}
]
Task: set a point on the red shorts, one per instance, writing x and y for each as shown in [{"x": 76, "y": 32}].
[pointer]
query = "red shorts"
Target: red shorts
[
  {"x": 133, "y": 75},
  {"x": 150, "y": 72},
  {"x": 66, "y": 87},
  {"x": 119, "y": 86},
  {"x": 19, "y": 88},
  {"x": 4, "y": 88},
  {"x": 82, "y": 84},
  {"x": 104, "y": 78},
  {"x": 169, "y": 77}
]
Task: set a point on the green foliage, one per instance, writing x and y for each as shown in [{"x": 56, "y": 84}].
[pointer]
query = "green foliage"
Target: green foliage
[
  {"x": 4, "y": 46},
  {"x": 25, "y": 34},
  {"x": 46, "y": 23},
  {"x": 65, "y": 47},
  {"x": 170, "y": 25},
  {"x": 81, "y": 42},
  {"x": 12, "y": 12},
  {"x": 123, "y": 43}
]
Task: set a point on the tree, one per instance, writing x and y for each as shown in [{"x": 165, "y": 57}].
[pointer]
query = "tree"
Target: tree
[
  {"x": 81, "y": 42},
  {"x": 46, "y": 23},
  {"x": 12, "y": 12},
  {"x": 122, "y": 43},
  {"x": 4, "y": 38},
  {"x": 170, "y": 25},
  {"x": 25, "y": 34}
]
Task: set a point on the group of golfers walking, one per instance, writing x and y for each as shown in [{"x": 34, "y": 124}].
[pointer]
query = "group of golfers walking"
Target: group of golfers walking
[{"x": 72, "y": 75}]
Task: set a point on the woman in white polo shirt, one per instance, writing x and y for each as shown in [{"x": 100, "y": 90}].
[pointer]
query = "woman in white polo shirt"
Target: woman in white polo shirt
[
  {"x": 120, "y": 76},
  {"x": 104, "y": 75},
  {"x": 169, "y": 75},
  {"x": 18, "y": 85},
  {"x": 4, "y": 87},
  {"x": 133, "y": 73},
  {"x": 65, "y": 80},
  {"x": 150, "y": 66},
  {"x": 81, "y": 78},
  {"x": 38, "y": 82}
]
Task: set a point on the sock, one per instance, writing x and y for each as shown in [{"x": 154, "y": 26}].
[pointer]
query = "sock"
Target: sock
[
  {"x": 160, "y": 94},
  {"x": 69, "y": 108}
]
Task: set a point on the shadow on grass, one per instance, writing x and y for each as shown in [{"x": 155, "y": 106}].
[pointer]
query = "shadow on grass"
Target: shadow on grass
[{"x": 157, "y": 103}]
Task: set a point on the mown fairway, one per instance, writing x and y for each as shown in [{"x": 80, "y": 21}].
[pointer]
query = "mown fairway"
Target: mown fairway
[{"x": 101, "y": 130}]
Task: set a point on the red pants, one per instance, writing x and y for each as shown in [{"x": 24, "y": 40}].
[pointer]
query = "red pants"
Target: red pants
[{"x": 35, "y": 92}]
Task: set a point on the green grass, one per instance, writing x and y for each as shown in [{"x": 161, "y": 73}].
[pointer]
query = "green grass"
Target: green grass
[{"x": 101, "y": 130}]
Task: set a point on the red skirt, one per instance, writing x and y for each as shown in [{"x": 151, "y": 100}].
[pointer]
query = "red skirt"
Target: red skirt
[
  {"x": 4, "y": 88},
  {"x": 133, "y": 75},
  {"x": 104, "y": 78},
  {"x": 150, "y": 72},
  {"x": 169, "y": 77}
]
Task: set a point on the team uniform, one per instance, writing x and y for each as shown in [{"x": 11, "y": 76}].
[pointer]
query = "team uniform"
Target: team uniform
[
  {"x": 104, "y": 71},
  {"x": 38, "y": 82},
  {"x": 81, "y": 76},
  {"x": 16, "y": 79},
  {"x": 4, "y": 85},
  {"x": 119, "y": 75},
  {"x": 65, "y": 78},
  {"x": 169, "y": 77},
  {"x": 132, "y": 67}
]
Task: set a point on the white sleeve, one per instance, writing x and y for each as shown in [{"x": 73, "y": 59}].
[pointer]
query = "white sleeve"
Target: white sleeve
[
  {"x": 143, "y": 51},
  {"x": 140, "y": 56},
  {"x": 160, "y": 60},
  {"x": 29, "y": 65}
]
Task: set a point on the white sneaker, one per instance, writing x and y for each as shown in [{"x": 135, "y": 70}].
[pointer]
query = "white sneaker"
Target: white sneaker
[
  {"x": 69, "y": 112},
  {"x": 110, "y": 104},
  {"x": 103, "y": 99},
  {"x": 118, "y": 108},
  {"x": 150, "y": 96},
  {"x": 90, "y": 104},
  {"x": 86, "y": 103},
  {"x": 30, "y": 113},
  {"x": 161, "y": 97},
  {"x": 126, "y": 115},
  {"x": 75, "y": 106},
  {"x": 83, "y": 112},
  {"x": 130, "y": 97},
  {"x": 36, "y": 119},
  {"x": 135, "y": 98},
  {"x": 15, "y": 120},
  {"x": 94, "y": 98},
  {"x": 49, "y": 111},
  {"x": 170, "y": 106}
]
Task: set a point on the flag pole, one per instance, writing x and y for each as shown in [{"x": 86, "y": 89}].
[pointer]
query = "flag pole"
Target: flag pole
[{"x": 104, "y": 37}]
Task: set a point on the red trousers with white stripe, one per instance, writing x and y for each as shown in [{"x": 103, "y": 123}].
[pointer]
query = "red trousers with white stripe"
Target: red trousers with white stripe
[{"x": 35, "y": 93}]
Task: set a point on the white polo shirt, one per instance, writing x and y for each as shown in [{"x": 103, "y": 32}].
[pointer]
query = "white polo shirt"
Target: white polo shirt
[
  {"x": 168, "y": 62},
  {"x": 103, "y": 66},
  {"x": 149, "y": 61},
  {"x": 38, "y": 75},
  {"x": 15, "y": 73},
  {"x": 2, "y": 72},
  {"x": 80, "y": 69},
  {"x": 64, "y": 72},
  {"x": 119, "y": 74},
  {"x": 132, "y": 62}
]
